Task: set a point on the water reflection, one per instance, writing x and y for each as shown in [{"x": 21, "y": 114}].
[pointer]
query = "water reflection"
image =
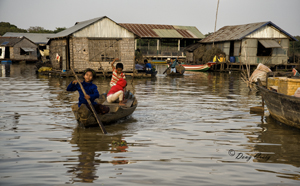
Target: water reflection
[
  {"x": 280, "y": 141},
  {"x": 180, "y": 134},
  {"x": 90, "y": 144}
]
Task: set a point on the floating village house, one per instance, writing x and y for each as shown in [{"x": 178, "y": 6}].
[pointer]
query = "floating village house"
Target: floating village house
[
  {"x": 18, "y": 49},
  {"x": 253, "y": 43},
  {"x": 92, "y": 44},
  {"x": 163, "y": 41},
  {"x": 40, "y": 39}
]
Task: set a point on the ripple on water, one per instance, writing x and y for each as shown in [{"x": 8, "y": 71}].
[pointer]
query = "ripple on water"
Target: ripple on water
[{"x": 183, "y": 132}]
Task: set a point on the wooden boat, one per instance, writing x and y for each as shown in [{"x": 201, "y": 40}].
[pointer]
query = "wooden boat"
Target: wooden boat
[
  {"x": 158, "y": 61},
  {"x": 283, "y": 108},
  {"x": 143, "y": 73},
  {"x": 198, "y": 68},
  {"x": 179, "y": 71},
  {"x": 85, "y": 117}
]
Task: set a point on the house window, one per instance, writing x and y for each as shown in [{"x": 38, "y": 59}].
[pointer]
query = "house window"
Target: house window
[
  {"x": 23, "y": 52},
  {"x": 262, "y": 51},
  {"x": 103, "y": 50}
]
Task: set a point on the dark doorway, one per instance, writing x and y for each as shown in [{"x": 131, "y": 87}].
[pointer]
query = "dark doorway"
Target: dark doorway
[
  {"x": 231, "y": 50},
  {"x": 7, "y": 53}
]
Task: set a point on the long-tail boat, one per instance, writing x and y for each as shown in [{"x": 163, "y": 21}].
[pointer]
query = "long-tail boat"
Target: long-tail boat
[{"x": 198, "y": 68}]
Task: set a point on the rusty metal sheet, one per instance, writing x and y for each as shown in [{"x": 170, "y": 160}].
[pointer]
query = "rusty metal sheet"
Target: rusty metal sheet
[{"x": 163, "y": 31}]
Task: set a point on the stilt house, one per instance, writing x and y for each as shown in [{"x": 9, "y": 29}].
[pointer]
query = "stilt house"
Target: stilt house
[
  {"x": 253, "y": 43},
  {"x": 163, "y": 41},
  {"x": 40, "y": 39},
  {"x": 92, "y": 44},
  {"x": 18, "y": 49}
]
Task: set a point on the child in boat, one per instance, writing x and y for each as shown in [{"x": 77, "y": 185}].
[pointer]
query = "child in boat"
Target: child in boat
[
  {"x": 148, "y": 67},
  {"x": 117, "y": 91},
  {"x": 91, "y": 91},
  {"x": 117, "y": 72},
  {"x": 173, "y": 65}
]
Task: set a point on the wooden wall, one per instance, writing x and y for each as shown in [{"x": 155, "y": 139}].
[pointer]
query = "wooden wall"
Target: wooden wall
[
  {"x": 16, "y": 49},
  {"x": 249, "y": 53},
  {"x": 56, "y": 47},
  {"x": 94, "y": 53}
]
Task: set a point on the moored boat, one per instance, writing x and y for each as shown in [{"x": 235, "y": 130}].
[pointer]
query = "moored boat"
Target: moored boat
[
  {"x": 85, "y": 117},
  {"x": 199, "y": 68},
  {"x": 153, "y": 61},
  {"x": 283, "y": 108}
]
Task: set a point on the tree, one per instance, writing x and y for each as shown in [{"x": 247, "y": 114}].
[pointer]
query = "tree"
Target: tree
[
  {"x": 59, "y": 29},
  {"x": 208, "y": 34},
  {"x": 294, "y": 50},
  {"x": 7, "y": 27},
  {"x": 38, "y": 29}
]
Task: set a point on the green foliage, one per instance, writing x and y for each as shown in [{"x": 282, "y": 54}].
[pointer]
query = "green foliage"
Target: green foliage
[
  {"x": 59, "y": 29},
  {"x": 38, "y": 29},
  {"x": 294, "y": 50},
  {"x": 295, "y": 46},
  {"x": 7, "y": 27},
  {"x": 208, "y": 34}
]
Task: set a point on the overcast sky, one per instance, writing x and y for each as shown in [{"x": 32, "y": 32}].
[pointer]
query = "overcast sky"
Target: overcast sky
[{"x": 200, "y": 13}]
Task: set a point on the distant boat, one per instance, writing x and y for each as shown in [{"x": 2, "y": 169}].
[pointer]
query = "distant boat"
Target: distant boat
[
  {"x": 179, "y": 71},
  {"x": 199, "y": 68},
  {"x": 158, "y": 61},
  {"x": 283, "y": 108}
]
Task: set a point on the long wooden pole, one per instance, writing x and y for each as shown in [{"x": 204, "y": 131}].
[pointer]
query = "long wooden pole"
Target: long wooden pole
[
  {"x": 91, "y": 105},
  {"x": 216, "y": 23}
]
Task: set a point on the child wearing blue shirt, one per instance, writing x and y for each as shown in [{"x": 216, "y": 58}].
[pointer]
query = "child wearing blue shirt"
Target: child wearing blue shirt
[{"x": 90, "y": 89}]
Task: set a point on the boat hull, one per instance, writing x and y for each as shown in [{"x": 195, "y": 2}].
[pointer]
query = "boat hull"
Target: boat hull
[
  {"x": 179, "y": 71},
  {"x": 199, "y": 68},
  {"x": 85, "y": 117},
  {"x": 283, "y": 108}
]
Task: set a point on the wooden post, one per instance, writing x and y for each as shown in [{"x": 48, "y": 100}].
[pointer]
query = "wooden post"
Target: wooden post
[
  {"x": 148, "y": 46},
  {"x": 157, "y": 48},
  {"x": 64, "y": 59}
]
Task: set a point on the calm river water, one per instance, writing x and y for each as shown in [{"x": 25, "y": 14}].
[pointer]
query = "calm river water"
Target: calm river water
[{"x": 192, "y": 130}]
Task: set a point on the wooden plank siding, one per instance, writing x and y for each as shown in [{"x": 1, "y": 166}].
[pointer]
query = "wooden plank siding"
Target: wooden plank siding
[{"x": 96, "y": 46}]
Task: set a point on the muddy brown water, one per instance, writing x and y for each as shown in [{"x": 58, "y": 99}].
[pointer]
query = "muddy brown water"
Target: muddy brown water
[{"x": 191, "y": 130}]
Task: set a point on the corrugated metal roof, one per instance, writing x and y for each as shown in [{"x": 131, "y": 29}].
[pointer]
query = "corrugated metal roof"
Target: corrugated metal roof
[
  {"x": 167, "y": 33},
  {"x": 269, "y": 43},
  {"x": 76, "y": 27},
  {"x": 28, "y": 49},
  {"x": 9, "y": 41},
  {"x": 163, "y": 31},
  {"x": 38, "y": 38},
  {"x": 142, "y": 30},
  {"x": 194, "y": 31},
  {"x": 238, "y": 32}
]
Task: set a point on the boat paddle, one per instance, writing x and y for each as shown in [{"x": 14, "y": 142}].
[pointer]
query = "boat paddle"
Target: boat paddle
[
  {"x": 166, "y": 69},
  {"x": 90, "y": 104}
]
